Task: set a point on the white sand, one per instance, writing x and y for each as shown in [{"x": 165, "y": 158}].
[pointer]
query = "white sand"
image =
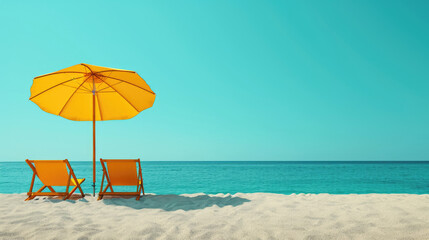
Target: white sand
[{"x": 199, "y": 216}]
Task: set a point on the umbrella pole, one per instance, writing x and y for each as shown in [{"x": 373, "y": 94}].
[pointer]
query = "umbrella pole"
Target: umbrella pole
[{"x": 93, "y": 141}]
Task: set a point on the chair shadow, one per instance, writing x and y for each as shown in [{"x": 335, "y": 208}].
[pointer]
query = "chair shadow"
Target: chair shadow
[
  {"x": 176, "y": 202},
  {"x": 56, "y": 199}
]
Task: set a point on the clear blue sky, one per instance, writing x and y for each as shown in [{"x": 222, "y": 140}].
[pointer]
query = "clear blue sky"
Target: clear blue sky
[{"x": 235, "y": 80}]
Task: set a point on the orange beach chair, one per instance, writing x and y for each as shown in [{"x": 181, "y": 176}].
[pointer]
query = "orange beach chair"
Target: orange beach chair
[
  {"x": 121, "y": 172},
  {"x": 53, "y": 173}
]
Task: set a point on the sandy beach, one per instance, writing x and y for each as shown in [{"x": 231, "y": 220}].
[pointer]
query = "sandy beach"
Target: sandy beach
[{"x": 220, "y": 216}]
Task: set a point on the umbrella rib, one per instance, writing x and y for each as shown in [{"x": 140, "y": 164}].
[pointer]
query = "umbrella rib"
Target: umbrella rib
[
  {"x": 83, "y": 64},
  {"x": 108, "y": 87},
  {"x": 115, "y": 70},
  {"x": 45, "y": 75},
  {"x": 68, "y": 100},
  {"x": 89, "y": 90},
  {"x": 55, "y": 86},
  {"x": 99, "y": 86},
  {"x": 65, "y": 85},
  {"x": 130, "y": 84},
  {"x": 99, "y": 106},
  {"x": 85, "y": 88},
  {"x": 118, "y": 93}
]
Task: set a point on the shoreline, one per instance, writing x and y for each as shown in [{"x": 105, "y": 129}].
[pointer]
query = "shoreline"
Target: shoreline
[{"x": 219, "y": 216}]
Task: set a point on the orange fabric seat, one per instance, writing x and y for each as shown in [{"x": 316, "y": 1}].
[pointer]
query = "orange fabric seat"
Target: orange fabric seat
[
  {"x": 53, "y": 173},
  {"x": 121, "y": 172}
]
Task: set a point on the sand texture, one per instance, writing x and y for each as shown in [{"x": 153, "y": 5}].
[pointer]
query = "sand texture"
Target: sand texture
[{"x": 221, "y": 216}]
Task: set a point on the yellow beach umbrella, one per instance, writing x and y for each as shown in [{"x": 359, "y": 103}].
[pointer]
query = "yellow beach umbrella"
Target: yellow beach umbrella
[{"x": 86, "y": 92}]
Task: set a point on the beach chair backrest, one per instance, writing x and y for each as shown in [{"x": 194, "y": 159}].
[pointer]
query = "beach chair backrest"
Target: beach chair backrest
[
  {"x": 122, "y": 172},
  {"x": 52, "y": 172}
]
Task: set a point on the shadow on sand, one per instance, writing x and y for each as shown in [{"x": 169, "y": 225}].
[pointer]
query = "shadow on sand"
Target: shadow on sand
[
  {"x": 176, "y": 202},
  {"x": 56, "y": 199}
]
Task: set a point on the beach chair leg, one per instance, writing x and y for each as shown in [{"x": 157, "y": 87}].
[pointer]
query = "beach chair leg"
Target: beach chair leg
[
  {"x": 80, "y": 189},
  {"x": 71, "y": 193},
  {"x": 50, "y": 188},
  {"x": 81, "y": 192},
  {"x": 32, "y": 183},
  {"x": 107, "y": 187},
  {"x": 31, "y": 196},
  {"x": 101, "y": 194},
  {"x": 138, "y": 192},
  {"x": 102, "y": 182},
  {"x": 67, "y": 188},
  {"x": 41, "y": 189},
  {"x": 74, "y": 189}
]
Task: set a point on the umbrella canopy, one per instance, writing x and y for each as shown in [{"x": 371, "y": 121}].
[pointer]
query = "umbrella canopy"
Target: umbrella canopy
[{"x": 86, "y": 92}]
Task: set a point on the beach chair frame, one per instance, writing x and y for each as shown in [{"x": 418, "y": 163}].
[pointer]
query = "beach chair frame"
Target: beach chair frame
[
  {"x": 139, "y": 183},
  {"x": 52, "y": 192}
]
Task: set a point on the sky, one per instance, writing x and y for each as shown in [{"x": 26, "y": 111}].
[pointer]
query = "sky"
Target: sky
[{"x": 235, "y": 80}]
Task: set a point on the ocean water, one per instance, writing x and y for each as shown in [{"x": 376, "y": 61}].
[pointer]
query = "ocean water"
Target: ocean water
[{"x": 249, "y": 177}]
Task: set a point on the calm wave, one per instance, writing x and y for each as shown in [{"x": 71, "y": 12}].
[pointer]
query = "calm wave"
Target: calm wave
[{"x": 249, "y": 177}]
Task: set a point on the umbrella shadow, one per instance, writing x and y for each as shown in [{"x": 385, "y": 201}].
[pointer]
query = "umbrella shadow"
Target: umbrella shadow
[{"x": 177, "y": 202}]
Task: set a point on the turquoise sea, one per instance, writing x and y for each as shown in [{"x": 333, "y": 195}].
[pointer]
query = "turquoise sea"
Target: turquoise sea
[{"x": 249, "y": 177}]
